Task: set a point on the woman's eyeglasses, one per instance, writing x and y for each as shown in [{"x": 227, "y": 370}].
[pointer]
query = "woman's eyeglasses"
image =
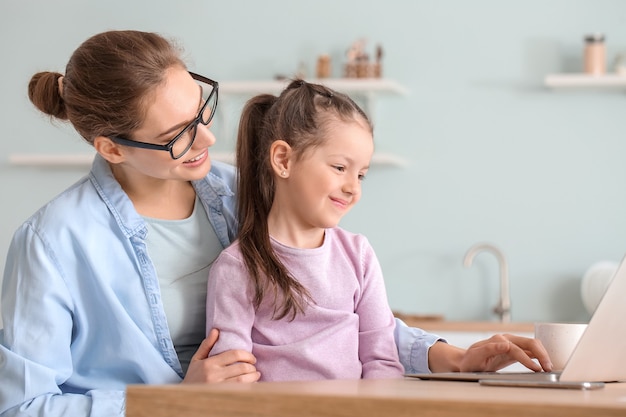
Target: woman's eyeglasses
[{"x": 183, "y": 141}]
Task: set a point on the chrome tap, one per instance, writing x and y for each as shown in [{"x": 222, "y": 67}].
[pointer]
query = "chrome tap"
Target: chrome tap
[{"x": 503, "y": 308}]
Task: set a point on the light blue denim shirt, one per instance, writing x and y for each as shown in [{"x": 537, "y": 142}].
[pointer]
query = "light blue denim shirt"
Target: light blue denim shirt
[{"x": 81, "y": 305}]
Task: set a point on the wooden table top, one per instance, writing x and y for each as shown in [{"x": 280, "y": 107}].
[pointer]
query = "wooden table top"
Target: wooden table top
[{"x": 365, "y": 398}]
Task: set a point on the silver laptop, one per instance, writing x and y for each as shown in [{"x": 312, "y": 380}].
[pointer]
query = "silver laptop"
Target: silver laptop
[{"x": 597, "y": 358}]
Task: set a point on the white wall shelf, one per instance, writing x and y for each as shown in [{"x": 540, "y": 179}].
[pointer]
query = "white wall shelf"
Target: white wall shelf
[
  {"x": 78, "y": 160},
  {"x": 364, "y": 88},
  {"x": 357, "y": 86},
  {"x": 84, "y": 160},
  {"x": 586, "y": 81}
]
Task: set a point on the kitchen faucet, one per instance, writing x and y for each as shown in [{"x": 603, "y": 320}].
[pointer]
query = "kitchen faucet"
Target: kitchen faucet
[{"x": 503, "y": 308}]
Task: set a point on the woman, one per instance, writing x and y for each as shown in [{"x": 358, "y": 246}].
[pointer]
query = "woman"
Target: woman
[{"x": 105, "y": 285}]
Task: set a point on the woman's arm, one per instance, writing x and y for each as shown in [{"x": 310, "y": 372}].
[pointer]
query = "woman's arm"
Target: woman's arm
[
  {"x": 420, "y": 352},
  {"x": 27, "y": 389},
  {"x": 414, "y": 347},
  {"x": 35, "y": 354},
  {"x": 495, "y": 353}
]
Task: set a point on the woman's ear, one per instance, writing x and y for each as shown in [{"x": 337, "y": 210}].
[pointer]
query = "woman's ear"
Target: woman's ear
[
  {"x": 280, "y": 158},
  {"x": 108, "y": 149}
]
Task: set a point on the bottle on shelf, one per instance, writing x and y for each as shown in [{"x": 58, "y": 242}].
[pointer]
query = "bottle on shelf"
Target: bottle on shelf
[
  {"x": 323, "y": 69},
  {"x": 595, "y": 54}
]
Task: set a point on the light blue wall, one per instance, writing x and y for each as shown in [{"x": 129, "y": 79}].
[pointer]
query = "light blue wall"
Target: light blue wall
[{"x": 493, "y": 156}]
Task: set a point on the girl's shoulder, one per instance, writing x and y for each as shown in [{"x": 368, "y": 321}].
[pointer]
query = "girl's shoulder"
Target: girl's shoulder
[
  {"x": 232, "y": 251},
  {"x": 341, "y": 233},
  {"x": 351, "y": 240}
]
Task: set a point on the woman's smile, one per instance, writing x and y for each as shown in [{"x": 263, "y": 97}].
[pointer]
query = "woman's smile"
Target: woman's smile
[{"x": 197, "y": 160}]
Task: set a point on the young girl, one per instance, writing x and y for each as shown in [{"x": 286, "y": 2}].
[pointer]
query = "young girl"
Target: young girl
[{"x": 306, "y": 297}]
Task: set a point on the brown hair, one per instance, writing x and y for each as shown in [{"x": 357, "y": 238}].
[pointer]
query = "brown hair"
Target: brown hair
[
  {"x": 107, "y": 83},
  {"x": 301, "y": 116}
]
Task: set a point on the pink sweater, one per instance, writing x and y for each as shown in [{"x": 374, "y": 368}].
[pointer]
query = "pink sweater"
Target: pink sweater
[{"x": 346, "y": 334}]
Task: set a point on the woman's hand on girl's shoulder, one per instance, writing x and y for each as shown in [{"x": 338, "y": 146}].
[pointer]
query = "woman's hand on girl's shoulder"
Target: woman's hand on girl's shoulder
[{"x": 232, "y": 365}]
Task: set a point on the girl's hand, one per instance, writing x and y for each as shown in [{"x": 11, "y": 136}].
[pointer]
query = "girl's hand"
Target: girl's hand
[{"x": 232, "y": 365}]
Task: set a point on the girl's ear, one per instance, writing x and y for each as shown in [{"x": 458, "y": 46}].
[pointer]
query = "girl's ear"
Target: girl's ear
[
  {"x": 108, "y": 149},
  {"x": 281, "y": 158}
]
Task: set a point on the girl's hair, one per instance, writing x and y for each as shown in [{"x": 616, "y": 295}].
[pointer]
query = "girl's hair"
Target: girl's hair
[
  {"x": 301, "y": 116},
  {"x": 108, "y": 83}
]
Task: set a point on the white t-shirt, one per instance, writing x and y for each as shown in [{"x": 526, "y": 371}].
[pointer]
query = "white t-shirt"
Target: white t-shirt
[{"x": 182, "y": 252}]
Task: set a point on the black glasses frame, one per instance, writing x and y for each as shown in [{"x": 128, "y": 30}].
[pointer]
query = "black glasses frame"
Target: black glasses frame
[{"x": 169, "y": 147}]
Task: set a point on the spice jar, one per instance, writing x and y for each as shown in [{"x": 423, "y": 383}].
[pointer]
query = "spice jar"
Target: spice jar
[{"x": 595, "y": 54}]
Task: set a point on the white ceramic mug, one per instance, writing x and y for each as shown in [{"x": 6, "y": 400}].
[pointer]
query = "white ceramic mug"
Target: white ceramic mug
[{"x": 559, "y": 339}]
